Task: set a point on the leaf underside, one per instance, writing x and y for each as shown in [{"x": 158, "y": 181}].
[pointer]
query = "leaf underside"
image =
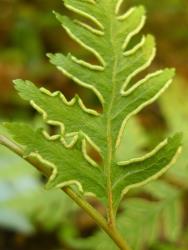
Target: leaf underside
[{"x": 66, "y": 152}]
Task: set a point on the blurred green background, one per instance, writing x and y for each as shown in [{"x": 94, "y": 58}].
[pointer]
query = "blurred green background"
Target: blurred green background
[{"x": 32, "y": 218}]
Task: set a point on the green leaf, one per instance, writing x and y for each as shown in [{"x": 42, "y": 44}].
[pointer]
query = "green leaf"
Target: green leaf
[
  {"x": 118, "y": 64},
  {"x": 177, "y": 119},
  {"x": 170, "y": 206},
  {"x": 62, "y": 158},
  {"x": 136, "y": 172},
  {"x": 50, "y": 105}
]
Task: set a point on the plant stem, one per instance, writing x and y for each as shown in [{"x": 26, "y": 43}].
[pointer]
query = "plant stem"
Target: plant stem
[
  {"x": 91, "y": 211},
  {"x": 98, "y": 218}
]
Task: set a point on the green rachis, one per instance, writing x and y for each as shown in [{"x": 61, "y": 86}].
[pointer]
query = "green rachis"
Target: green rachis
[{"x": 63, "y": 157}]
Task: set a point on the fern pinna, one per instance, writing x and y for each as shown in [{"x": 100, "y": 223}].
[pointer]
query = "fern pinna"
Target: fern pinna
[{"x": 66, "y": 153}]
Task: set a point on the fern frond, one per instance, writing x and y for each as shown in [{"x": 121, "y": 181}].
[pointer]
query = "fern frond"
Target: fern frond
[{"x": 109, "y": 42}]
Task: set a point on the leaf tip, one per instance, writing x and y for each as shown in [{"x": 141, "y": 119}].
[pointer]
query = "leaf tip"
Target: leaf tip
[
  {"x": 54, "y": 12},
  {"x": 178, "y": 137},
  {"x": 18, "y": 82},
  {"x": 151, "y": 39},
  {"x": 49, "y": 55},
  {"x": 57, "y": 15},
  {"x": 171, "y": 72},
  {"x": 142, "y": 9}
]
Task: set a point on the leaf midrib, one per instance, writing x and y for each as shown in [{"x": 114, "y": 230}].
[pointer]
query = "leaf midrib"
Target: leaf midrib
[{"x": 108, "y": 165}]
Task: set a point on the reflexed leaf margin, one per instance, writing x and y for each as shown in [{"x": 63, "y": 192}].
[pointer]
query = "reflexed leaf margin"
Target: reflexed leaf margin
[{"x": 66, "y": 152}]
